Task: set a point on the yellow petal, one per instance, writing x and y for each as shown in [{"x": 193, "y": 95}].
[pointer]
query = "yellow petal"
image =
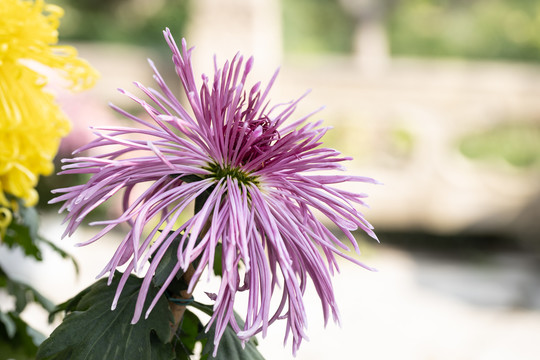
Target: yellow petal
[{"x": 31, "y": 123}]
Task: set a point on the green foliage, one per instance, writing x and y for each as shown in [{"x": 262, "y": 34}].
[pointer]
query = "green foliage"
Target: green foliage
[
  {"x": 483, "y": 29},
  {"x": 69, "y": 305},
  {"x": 166, "y": 265},
  {"x": 188, "y": 334},
  {"x": 23, "y": 231},
  {"x": 401, "y": 142},
  {"x": 230, "y": 346},
  {"x": 91, "y": 330},
  {"x": 218, "y": 262},
  {"x": 503, "y": 29},
  {"x": 479, "y": 29},
  {"x": 17, "y": 339},
  {"x": 518, "y": 145},
  {"x": 23, "y": 293},
  {"x": 135, "y": 22},
  {"x": 316, "y": 26}
]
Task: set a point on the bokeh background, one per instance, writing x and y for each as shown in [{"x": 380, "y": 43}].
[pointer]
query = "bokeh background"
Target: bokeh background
[{"x": 437, "y": 99}]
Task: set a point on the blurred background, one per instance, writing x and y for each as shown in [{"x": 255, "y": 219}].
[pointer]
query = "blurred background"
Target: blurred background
[{"x": 437, "y": 99}]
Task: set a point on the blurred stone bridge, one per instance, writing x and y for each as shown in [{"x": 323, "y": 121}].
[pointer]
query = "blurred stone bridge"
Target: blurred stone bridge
[{"x": 429, "y": 184}]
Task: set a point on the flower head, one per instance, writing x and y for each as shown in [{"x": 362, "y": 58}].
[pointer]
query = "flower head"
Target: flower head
[
  {"x": 262, "y": 178},
  {"x": 31, "y": 123}
]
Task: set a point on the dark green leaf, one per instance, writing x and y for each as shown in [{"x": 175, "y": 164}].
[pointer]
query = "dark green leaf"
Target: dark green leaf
[
  {"x": 181, "y": 352},
  {"x": 69, "y": 305},
  {"x": 207, "y": 309},
  {"x": 91, "y": 331},
  {"x": 22, "y": 231},
  {"x": 188, "y": 333},
  {"x": 190, "y": 178},
  {"x": 9, "y": 325},
  {"x": 17, "y": 339},
  {"x": 201, "y": 199},
  {"x": 166, "y": 265},
  {"x": 230, "y": 346},
  {"x": 218, "y": 268}
]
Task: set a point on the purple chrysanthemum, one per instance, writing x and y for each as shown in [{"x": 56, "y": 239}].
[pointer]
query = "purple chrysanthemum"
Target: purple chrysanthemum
[{"x": 264, "y": 181}]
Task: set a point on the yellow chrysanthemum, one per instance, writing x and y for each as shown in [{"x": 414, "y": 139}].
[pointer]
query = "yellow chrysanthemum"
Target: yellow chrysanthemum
[{"x": 31, "y": 123}]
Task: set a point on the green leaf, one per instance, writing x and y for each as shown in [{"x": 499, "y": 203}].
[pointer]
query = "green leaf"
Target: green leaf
[
  {"x": 218, "y": 267},
  {"x": 207, "y": 309},
  {"x": 91, "y": 331},
  {"x": 69, "y": 305},
  {"x": 201, "y": 199},
  {"x": 23, "y": 293},
  {"x": 230, "y": 346},
  {"x": 10, "y": 327},
  {"x": 22, "y": 231},
  {"x": 188, "y": 334},
  {"x": 190, "y": 178},
  {"x": 166, "y": 265},
  {"x": 17, "y": 339}
]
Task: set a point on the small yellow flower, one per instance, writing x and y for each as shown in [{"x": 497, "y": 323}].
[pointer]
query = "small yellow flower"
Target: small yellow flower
[{"x": 31, "y": 123}]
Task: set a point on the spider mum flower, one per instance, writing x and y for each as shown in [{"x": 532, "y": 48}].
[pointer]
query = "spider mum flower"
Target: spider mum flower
[
  {"x": 31, "y": 124},
  {"x": 263, "y": 178}
]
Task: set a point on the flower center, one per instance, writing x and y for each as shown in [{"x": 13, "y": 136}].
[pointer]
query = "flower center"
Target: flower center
[{"x": 219, "y": 172}]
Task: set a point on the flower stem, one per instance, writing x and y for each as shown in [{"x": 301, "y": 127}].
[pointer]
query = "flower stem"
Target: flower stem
[{"x": 177, "y": 309}]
